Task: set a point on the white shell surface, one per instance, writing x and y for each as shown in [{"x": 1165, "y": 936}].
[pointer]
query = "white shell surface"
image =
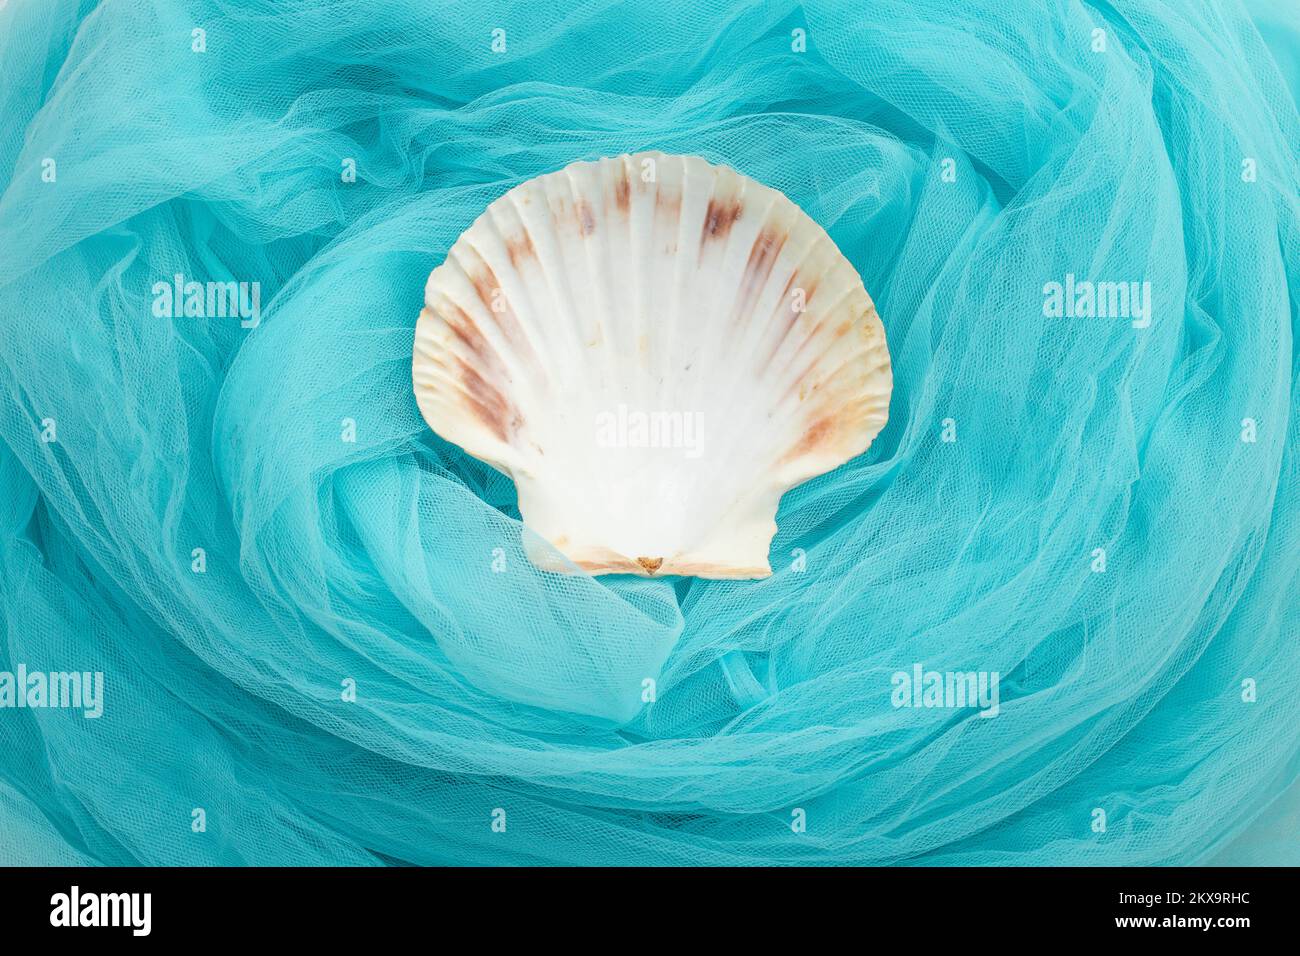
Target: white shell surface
[{"x": 655, "y": 349}]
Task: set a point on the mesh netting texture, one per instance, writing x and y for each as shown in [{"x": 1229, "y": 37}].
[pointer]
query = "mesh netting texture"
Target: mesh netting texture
[{"x": 320, "y": 639}]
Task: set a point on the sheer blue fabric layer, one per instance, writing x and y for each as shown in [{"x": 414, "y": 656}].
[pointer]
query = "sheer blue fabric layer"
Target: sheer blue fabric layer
[{"x": 319, "y": 637}]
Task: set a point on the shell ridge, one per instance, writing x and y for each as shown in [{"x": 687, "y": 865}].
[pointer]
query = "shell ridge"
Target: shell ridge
[
  {"x": 660, "y": 286},
  {"x": 715, "y": 328},
  {"x": 637, "y": 286},
  {"x": 681, "y": 277},
  {"x": 840, "y": 421},
  {"x": 740, "y": 210},
  {"x": 466, "y": 331},
  {"x": 585, "y": 233},
  {"x": 749, "y": 284},
  {"x": 824, "y": 314},
  {"x": 557, "y": 307},
  {"x": 789, "y": 324},
  {"x": 834, "y": 373},
  {"x": 749, "y": 336},
  {"x": 520, "y": 305},
  {"x": 753, "y": 341},
  {"x": 506, "y": 320},
  {"x": 573, "y": 307},
  {"x": 493, "y": 330},
  {"x": 616, "y": 252},
  {"x": 584, "y": 219},
  {"x": 452, "y": 273},
  {"x": 611, "y": 293},
  {"x": 437, "y": 339}
]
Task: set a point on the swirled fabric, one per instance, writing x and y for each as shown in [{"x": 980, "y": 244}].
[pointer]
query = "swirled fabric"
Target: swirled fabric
[{"x": 303, "y": 627}]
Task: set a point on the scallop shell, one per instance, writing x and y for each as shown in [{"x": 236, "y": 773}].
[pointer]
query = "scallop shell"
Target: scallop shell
[{"x": 655, "y": 349}]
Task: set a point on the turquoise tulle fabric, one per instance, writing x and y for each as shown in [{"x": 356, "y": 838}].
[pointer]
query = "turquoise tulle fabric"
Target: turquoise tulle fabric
[{"x": 320, "y": 639}]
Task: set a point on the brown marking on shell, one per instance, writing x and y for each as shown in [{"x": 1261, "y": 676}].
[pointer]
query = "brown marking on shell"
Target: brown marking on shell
[
  {"x": 719, "y": 218},
  {"x": 485, "y": 285},
  {"x": 819, "y": 330},
  {"x": 867, "y": 329},
  {"x": 812, "y": 331},
  {"x": 559, "y": 207},
  {"x": 467, "y": 331},
  {"x": 820, "y": 435},
  {"x": 786, "y": 307},
  {"x": 668, "y": 211},
  {"x": 668, "y": 204},
  {"x": 487, "y": 403},
  {"x": 651, "y": 565},
  {"x": 810, "y": 290},
  {"x": 800, "y": 382},
  {"x": 789, "y": 285},
  {"x": 762, "y": 257},
  {"x": 623, "y": 192},
  {"x": 520, "y": 247},
  {"x": 584, "y": 217}
]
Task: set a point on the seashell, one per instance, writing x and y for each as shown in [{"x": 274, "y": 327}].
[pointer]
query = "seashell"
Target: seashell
[{"x": 655, "y": 349}]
